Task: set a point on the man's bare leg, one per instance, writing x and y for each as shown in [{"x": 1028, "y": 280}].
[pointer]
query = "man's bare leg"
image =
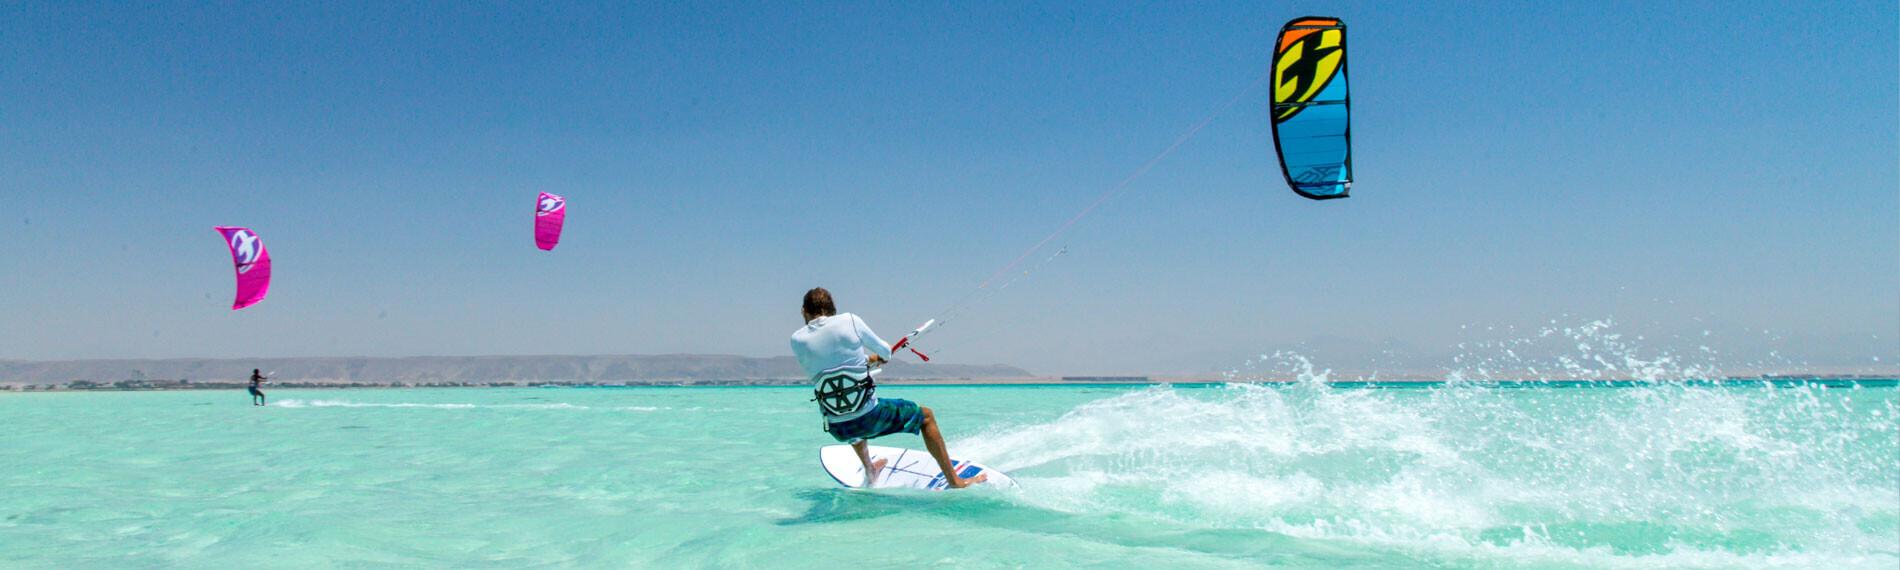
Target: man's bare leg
[
  {"x": 933, "y": 440},
  {"x": 871, "y": 468}
]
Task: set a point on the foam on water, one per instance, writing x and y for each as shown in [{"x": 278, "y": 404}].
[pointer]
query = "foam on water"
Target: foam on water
[{"x": 1664, "y": 474}]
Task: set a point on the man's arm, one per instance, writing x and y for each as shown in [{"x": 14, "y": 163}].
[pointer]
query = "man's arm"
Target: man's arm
[{"x": 869, "y": 339}]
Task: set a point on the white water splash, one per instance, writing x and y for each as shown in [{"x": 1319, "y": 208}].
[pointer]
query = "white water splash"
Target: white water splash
[{"x": 1662, "y": 474}]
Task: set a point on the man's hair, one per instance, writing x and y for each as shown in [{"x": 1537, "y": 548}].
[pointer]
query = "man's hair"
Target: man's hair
[{"x": 818, "y": 303}]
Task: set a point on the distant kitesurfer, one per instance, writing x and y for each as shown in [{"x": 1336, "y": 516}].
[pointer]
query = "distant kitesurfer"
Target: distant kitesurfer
[
  {"x": 257, "y": 379},
  {"x": 838, "y": 352}
]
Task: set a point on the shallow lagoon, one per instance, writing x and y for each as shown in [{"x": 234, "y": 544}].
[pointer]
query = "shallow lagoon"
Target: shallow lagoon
[{"x": 1300, "y": 475}]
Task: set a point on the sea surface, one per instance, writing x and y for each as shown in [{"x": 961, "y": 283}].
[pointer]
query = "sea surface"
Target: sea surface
[{"x": 1303, "y": 475}]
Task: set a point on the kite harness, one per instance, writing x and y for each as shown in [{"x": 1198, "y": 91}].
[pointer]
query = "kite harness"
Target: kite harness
[{"x": 846, "y": 391}]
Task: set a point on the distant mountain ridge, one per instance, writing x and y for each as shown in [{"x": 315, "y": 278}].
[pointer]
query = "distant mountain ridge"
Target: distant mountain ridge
[{"x": 634, "y": 368}]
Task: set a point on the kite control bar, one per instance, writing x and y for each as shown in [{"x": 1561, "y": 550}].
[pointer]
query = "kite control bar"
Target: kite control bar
[{"x": 904, "y": 343}]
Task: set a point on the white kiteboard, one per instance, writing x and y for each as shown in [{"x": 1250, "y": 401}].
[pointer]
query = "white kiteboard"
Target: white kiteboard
[{"x": 903, "y": 469}]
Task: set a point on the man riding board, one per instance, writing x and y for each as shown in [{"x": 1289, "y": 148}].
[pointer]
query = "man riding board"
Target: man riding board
[
  {"x": 838, "y": 351},
  {"x": 257, "y": 381}
]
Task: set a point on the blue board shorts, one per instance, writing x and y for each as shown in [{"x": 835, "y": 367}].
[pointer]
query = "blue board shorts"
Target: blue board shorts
[
  {"x": 255, "y": 392},
  {"x": 892, "y": 415}
]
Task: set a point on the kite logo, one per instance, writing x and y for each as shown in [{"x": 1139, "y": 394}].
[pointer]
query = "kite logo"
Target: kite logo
[
  {"x": 1319, "y": 174},
  {"x": 245, "y": 249},
  {"x": 549, "y": 204},
  {"x": 1308, "y": 60}
]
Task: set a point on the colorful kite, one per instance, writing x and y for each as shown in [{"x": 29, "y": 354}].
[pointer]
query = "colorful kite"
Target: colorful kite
[
  {"x": 549, "y": 213},
  {"x": 1310, "y": 104},
  {"x": 252, "y": 262}
]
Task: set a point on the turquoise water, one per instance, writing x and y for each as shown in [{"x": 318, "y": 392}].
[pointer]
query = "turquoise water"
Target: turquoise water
[{"x": 1302, "y": 475}]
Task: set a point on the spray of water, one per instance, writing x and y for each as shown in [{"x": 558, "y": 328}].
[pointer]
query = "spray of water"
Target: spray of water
[{"x": 1665, "y": 473}]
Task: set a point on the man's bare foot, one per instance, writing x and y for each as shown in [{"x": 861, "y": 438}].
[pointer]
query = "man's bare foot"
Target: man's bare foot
[
  {"x": 877, "y": 466},
  {"x": 960, "y": 483}
]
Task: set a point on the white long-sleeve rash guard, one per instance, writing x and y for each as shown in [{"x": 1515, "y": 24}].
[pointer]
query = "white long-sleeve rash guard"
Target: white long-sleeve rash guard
[{"x": 837, "y": 342}]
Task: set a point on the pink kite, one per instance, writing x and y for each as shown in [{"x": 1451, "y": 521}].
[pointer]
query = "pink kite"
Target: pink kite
[
  {"x": 252, "y": 263},
  {"x": 549, "y": 212}
]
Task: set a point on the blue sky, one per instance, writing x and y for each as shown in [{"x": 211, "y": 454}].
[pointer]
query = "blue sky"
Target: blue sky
[{"x": 1679, "y": 167}]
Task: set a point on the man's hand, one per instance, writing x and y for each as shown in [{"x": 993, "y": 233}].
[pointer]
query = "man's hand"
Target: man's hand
[{"x": 876, "y": 360}]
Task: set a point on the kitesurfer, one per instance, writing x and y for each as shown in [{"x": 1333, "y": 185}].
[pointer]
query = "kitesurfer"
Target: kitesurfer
[
  {"x": 257, "y": 379},
  {"x": 838, "y": 352}
]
